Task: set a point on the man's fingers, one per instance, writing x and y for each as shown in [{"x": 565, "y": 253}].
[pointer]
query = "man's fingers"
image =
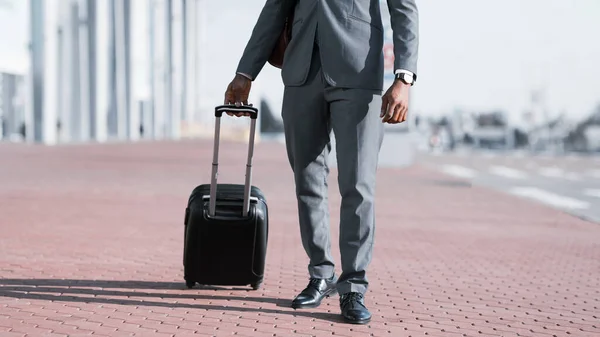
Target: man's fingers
[
  {"x": 384, "y": 105},
  {"x": 237, "y": 98},
  {"x": 228, "y": 97},
  {"x": 229, "y": 94},
  {"x": 387, "y": 116},
  {"x": 389, "y": 113},
  {"x": 398, "y": 114},
  {"x": 395, "y": 115},
  {"x": 242, "y": 99},
  {"x": 404, "y": 114}
]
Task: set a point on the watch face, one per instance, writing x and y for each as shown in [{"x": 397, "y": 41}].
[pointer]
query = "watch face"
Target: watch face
[{"x": 406, "y": 78}]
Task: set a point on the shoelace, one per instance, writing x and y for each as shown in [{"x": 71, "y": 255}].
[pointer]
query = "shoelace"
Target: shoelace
[
  {"x": 314, "y": 283},
  {"x": 352, "y": 299}
]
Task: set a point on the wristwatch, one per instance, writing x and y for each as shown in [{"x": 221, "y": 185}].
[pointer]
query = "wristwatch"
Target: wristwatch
[{"x": 406, "y": 78}]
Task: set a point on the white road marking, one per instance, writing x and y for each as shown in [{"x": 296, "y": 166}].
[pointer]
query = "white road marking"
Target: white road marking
[
  {"x": 508, "y": 172},
  {"x": 531, "y": 165},
  {"x": 557, "y": 172},
  {"x": 594, "y": 173},
  {"x": 592, "y": 192},
  {"x": 573, "y": 157},
  {"x": 552, "y": 172},
  {"x": 549, "y": 198},
  {"x": 459, "y": 171},
  {"x": 572, "y": 176}
]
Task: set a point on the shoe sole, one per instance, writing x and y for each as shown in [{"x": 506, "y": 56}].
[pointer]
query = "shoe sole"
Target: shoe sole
[
  {"x": 333, "y": 292},
  {"x": 364, "y": 321}
]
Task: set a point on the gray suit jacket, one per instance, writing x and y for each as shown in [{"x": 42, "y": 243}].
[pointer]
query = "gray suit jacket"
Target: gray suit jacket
[{"x": 350, "y": 39}]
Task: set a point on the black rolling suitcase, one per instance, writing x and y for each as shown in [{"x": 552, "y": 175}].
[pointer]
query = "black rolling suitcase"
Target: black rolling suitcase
[{"x": 226, "y": 225}]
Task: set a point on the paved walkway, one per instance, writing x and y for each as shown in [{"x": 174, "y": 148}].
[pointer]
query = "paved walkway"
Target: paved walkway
[{"x": 91, "y": 243}]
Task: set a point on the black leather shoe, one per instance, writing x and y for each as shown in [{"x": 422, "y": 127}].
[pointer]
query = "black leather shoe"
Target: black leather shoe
[
  {"x": 353, "y": 308},
  {"x": 313, "y": 294}
]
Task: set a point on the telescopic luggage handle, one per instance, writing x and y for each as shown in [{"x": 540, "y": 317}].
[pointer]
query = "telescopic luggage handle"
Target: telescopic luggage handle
[{"x": 212, "y": 204}]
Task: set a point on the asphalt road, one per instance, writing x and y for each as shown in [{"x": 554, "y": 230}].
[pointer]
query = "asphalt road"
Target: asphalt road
[{"x": 569, "y": 183}]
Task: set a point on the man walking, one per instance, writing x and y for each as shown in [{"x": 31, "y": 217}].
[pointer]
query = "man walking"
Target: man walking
[{"x": 333, "y": 77}]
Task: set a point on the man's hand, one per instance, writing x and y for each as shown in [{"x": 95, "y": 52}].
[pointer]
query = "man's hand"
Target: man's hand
[
  {"x": 237, "y": 93},
  {"x": 394, "y": 107}
]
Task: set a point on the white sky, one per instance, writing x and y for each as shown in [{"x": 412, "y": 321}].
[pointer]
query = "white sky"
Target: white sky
[
  {"x": 492, "y": 53},
  {"x": 13, "y": 35},
  {"x": 473, "y": 54}
]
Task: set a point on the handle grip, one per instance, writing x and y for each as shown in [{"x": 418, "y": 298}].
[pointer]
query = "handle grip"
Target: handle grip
[{"x": 236, "y": 109}]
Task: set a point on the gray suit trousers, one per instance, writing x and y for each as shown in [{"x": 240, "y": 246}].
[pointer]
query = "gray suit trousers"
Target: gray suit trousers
[{"x": 310, "y": 113}]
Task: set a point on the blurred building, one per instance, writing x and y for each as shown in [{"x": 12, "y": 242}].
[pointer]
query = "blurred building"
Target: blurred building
[
  {"x": 585, "y": 135},
  {"x": 12, "y": 106},
  {"x": 116, "y": 70},
  {"x": 110, "y": 70}
]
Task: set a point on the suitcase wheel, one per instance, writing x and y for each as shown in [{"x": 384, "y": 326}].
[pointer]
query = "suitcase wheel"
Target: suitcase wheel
[
  {"x": 256, "y": 286},
  {"x": 190, "y": 284}
]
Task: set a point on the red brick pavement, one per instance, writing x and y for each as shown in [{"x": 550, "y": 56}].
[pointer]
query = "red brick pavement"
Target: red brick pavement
[{"x": 91, "y": 243}]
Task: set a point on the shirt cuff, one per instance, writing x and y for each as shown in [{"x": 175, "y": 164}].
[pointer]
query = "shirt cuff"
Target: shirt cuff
[
  {"x": 400, "y": 71},
  {"x": 246, "y": 76}
]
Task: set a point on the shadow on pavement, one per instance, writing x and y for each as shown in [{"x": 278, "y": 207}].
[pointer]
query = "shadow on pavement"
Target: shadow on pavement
[
  {"x": 104, "y": 291},
  {"x": 115, "y": 284}
]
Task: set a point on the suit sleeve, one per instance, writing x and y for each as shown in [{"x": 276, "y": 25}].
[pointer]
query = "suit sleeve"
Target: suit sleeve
[
  {"x": 264, "y": 37},
  {"x": 404, "y": 17}
]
